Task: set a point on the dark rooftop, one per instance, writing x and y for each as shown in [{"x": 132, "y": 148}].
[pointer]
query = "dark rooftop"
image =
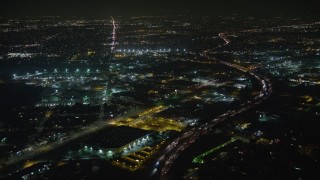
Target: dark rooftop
[{"x": 116, "y": 137}]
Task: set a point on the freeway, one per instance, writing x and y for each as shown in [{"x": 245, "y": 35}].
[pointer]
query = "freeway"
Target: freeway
[
  {"x": 35, "y": 151},
  {"x": 38, "y": 150},
  {"x": 164, "y": 163},
  {"x": 45, "y": 148}
]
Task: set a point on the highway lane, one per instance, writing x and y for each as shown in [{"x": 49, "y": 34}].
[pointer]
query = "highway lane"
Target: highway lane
[
  {"x": 50, "y": 146},
  {"x": 97, "y": 126},
  {"x": 179, "y": 144},
  {"x": 39, "y": 150},
  {"x": 171, "y": 153},
  {"x": 86, "y": 131}
]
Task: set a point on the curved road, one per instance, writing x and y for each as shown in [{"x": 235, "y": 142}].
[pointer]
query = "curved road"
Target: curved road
[{"x": 171, "y": 153}]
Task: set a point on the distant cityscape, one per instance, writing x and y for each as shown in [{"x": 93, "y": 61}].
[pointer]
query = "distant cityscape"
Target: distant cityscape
[{"x": 160, "y": 97}]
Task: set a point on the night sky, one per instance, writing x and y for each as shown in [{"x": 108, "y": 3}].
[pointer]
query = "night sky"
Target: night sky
[{"x": 157, "y": 7}]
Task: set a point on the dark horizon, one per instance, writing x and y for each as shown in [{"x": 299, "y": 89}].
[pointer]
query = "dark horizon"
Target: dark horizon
[
  {"x": 98, "y": 8},
  {"x": 159, "y": 89}
]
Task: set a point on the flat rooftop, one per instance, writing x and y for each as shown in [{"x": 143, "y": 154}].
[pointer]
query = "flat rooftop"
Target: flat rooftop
[{"x": 116, "y": 137}]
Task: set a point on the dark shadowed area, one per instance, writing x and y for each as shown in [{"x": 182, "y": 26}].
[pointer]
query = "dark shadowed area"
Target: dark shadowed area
[{"x": 163, "y": 7}]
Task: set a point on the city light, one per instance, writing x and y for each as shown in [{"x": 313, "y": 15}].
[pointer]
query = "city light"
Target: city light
[{"x": 143, "y": 94}]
